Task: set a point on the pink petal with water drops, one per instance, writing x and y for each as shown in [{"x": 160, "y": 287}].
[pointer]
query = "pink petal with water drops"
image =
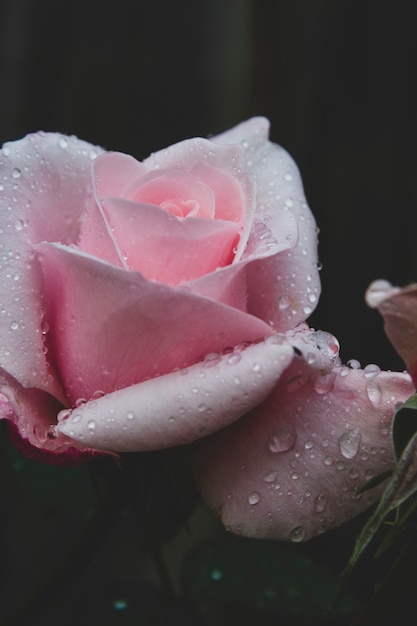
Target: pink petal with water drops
[
  {"x": 112, "y": 328},
  {"x": 213, "y": 285},
  {"x": 398, "y": 307},
  {"x": 292, "y": 468},
  {"x": 167, "y": 249},
  {"x": 285, "y": 288},
  {"x": 45, "y": 190},
  {"x": 182, "y": 406}
]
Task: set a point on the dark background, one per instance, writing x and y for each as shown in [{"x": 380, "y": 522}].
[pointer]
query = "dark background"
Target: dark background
[
  {"x": 337, "y": 80},
  {"x": 335, "y": 77}
]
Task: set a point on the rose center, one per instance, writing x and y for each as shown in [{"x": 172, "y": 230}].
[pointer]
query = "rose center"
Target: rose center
[{"x": 180, "y": 207}]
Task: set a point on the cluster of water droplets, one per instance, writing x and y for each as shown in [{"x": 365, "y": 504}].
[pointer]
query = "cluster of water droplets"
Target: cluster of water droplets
[
  {"x": 297, "y": 450},
  {"x": 29, "y": 170}
]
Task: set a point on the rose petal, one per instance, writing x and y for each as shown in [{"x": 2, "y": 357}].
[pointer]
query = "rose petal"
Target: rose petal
[
  {"x": 45, "y": 188},
  {"x": 216, "y": 166},
  {"x": 215, "y": 285},
  {"x": 398, "y": 307},
  {"x": 292, "y": 468},
  {"x": 114, "y": 173},
  {"x": 33, "y": 412},
  {"x": 181, "y": 406},
  {"x": 97, "y": 239},
  {"x": 165, "y": 248},
  {"x": 285, "y": 288},
  {"x": 111, "y": 328}
]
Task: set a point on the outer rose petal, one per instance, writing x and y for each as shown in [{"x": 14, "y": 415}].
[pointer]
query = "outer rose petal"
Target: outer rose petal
[
  {"x": 31, "y": 413},
  {"x": 111, "y": 328},
  {"x": 292, "y": 468},
  {"x": 45, "y": 189},
  {"x": 398, "y": 307},
  {"x": 285, "y": 288},
  {"x": 182, "y": 406}
]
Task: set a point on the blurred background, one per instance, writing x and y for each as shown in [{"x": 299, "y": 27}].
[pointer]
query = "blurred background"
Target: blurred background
[{"x": 335, "y": 77}]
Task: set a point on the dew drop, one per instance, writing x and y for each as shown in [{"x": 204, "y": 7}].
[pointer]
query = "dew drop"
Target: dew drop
[
  {"x": 91, "y": 425},
  {"x": 284, "y": 303},
  {"x": 16, "y": 173},
  {"x": 270, "y": 477},
  {"x": 254, "y": 497},
  {"x": 371, "y": 370},
  {"x": 211, "y": 359},
  {"x": 354, "y": 364},
  {"x": 14, "y": 326},
  {"x": 297, "y": 534},
  {"x": 130, "y": 415},
  {"x": 282, "y": 440},
  {"x": 349, "y": 443},
  {"x": 374, "y": 392},
  {"x": 62, "y": 142},
  {"x": 327, "y": 460},
  {"x": 384, "y": 426},
  {"x": 320, "y": 504},
  {"x": 234, "y": 358},
  {"x": 324, "y": 383}
]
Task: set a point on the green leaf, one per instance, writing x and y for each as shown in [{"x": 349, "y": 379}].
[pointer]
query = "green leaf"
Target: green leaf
[
  {"x": 405, "y": 425},
  {"x": 402, "y": 485}
]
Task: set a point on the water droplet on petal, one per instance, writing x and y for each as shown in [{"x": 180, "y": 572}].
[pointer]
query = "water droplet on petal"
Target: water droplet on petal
[
  {"x": 354, "y": 364},
  {"x": 282, "y": 440},
  {"x": 320, "y": 504},
  {"x": 284, "y": 303},
  {"x": 16, "y": 173},
  {"x": 297, "y": 534},
  {"x": 324, "y": 383},
  {"x": 270, "y": 477},
  {"x": 91, "y": 425},
  {"x": 234, "y": 358},
  {"x": 349, "y": 443},
  {"x": 254, "y": 498},
  {"x": 371, "y": 370},
  {"x": 130, "y": 415},
  {"x": 384, "y": 426},
  {"x": 374, "y": 392},
  {"x": 211, "y": 359}
]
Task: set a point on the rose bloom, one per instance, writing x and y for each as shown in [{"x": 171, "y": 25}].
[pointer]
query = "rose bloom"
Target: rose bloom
[{"x": 149, "y": 305}]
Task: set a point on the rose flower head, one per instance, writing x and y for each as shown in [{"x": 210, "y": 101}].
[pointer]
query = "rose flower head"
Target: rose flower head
[{"x": 154, "y": 304}]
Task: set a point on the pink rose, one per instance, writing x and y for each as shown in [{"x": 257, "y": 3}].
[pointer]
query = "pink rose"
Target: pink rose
[{"x": 148, "y": 305}]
